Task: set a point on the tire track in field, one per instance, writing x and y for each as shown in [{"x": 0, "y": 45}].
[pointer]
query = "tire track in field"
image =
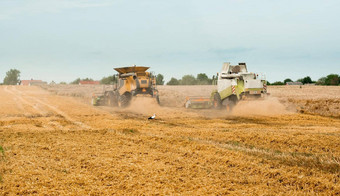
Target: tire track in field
[
  {"x": 16, "y": 100},
  {"x": 22, "y": 100},
  {"x": 54, "y": 109}
]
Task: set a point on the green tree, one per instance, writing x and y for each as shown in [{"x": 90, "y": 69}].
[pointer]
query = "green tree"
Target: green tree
[
  {"x": 173, "y": 81},
  {"x": 305, "y": 80},
  {"x": 277, "y": 83},
  {"x": 287, "y": 80},
  {"x": 321, "y": 81},
  {"x": 332, "y": 79},
  {"x": 160, "y": 79},
  {"x": 188, "y": 80},
  {"x": 203, "y": 79},
  {"x": 108, "y": 80},
  {"x": 76, "y": 81},
  {"x": 12, "y": 77},
  {"x": 87, "y": 79}
]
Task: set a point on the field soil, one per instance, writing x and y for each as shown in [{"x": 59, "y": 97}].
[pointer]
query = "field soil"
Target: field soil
[{"x": 61, "y": 145}]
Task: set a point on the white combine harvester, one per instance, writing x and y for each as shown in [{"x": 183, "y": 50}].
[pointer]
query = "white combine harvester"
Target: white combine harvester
[{"x": 234, "y": 83}]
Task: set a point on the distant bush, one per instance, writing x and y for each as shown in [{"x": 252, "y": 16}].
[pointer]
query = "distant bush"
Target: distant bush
[
  {"x": 76, "y": 81},
  {"x": 277, "y": 83},
  {"x": 200, "y": 79},
  {"x": 188, "y": 80},
  {"x": 306, "y": 80},
  {"x": 203, "y": 79},
  {"x": 331, "y": 79},
  {"x": 287, "y": 80},
  {"x": 173, "y": 81},
  {"x": 108, "y": 80}
]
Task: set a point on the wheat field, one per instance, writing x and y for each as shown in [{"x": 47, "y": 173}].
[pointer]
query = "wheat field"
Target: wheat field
[{"x": 52, "y": 144}]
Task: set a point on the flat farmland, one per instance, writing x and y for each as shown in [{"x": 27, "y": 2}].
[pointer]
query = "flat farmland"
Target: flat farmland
[{"x": 53, "y": 144}]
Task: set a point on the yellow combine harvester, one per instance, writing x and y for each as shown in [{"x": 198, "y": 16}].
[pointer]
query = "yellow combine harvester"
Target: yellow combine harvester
[{"x": 131, "y": 82}]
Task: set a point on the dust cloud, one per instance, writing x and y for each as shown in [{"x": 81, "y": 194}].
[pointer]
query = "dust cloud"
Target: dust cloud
[
  {"x": 144, "y": 105},
  {"x": 266, "y": 107},
  {"x": 148, "y": 106}
]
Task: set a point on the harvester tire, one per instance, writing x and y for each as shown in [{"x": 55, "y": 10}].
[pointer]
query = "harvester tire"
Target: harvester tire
[
  {"x": 217, "y": 101},
  {"x": 111, "y": 99},
  {"x": 124, "y": 100},
  {"x": 230, "y": 103}
]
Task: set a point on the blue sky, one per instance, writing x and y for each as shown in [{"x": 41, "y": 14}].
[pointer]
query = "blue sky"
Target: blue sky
[{"x": 62, "y": 40}]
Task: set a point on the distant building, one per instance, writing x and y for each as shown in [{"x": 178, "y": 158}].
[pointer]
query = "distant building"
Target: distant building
[
  {"x": 82, "y": 82},
  {"x": 31, "y": 82},
  {"x": 294, "y": 83}
]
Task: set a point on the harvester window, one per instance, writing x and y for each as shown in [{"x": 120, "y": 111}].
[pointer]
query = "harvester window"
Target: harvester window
[{"x": 144, "y": 81}]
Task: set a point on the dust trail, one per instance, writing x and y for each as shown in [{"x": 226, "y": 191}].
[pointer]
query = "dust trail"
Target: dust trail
[
  {"x": 267, "y": 107},
  {"x": 143, "y": 105},
  {"x": 149, "y": 106}
]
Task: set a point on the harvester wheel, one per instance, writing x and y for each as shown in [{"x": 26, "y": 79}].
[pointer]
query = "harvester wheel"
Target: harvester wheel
[
  {"x": 124, "y": 100},
  {"x": 229, "y": 106},
  {"x": 111, "y": 99},
  {"x": 230, "y": 103},
  {"x": 217, "y": 101}
]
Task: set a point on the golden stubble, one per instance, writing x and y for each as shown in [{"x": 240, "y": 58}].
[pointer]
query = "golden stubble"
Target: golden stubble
[{"x": 62, "y": 145}]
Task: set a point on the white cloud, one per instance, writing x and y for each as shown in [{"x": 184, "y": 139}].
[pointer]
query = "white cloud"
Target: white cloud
[{"x": 10, "y": 8}]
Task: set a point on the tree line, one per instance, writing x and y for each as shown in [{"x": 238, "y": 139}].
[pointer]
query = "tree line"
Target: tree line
[
  {"x": 13, "y": 78},
  {"x": 331, "y": 79},
  {"x": 203, "y": 79},
  {"x": 200, "y": 79}
]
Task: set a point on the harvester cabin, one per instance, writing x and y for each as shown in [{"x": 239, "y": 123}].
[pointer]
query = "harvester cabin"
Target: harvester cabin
[{"x": 233, "y": 70}]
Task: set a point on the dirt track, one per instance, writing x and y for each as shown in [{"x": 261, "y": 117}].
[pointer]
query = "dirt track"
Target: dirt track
[{"x": 60, "y": 145}]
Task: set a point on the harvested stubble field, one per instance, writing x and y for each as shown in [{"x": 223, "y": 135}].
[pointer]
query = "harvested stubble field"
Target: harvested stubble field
[{"x": 52, "y": 144}]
